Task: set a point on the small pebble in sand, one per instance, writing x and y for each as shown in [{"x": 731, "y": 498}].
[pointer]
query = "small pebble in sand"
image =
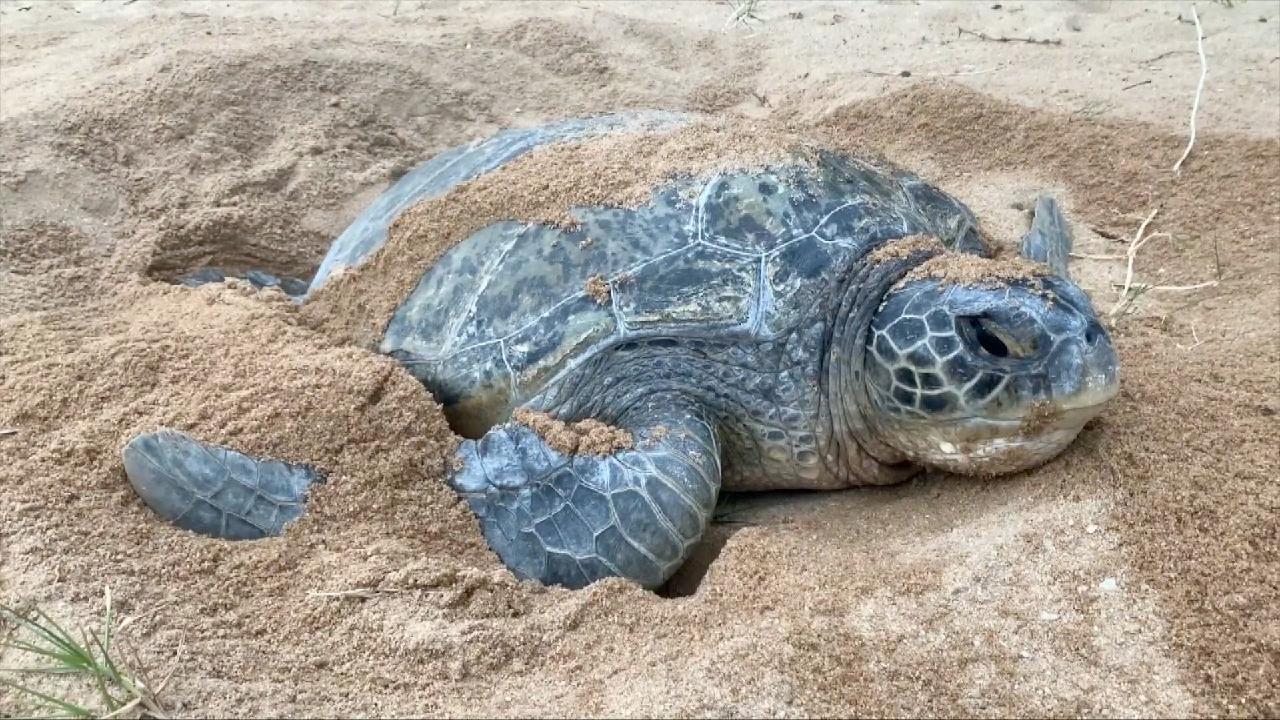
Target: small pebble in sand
[
  {"x": 1109, "y": 585},
  {"x": 1047, "y": 616},
  {"x": 1091, "y": 529}
]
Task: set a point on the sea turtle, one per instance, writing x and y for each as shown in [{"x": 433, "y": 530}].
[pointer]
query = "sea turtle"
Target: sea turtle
[{"x": 755, "y": 329}]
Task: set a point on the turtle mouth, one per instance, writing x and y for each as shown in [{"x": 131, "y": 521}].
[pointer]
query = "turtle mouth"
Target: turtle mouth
[
  {"x": 985, "y": 445},
  {"x": 1001, "y": 454}
]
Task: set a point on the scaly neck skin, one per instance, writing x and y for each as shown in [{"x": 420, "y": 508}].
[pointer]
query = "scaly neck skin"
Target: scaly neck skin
[{"x": 849, "y": 444}]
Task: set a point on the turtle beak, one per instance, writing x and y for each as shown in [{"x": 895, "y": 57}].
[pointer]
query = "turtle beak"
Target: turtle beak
[
  {"x": 1086, "y": 374},
  {"x": 1049, "y": 239}
]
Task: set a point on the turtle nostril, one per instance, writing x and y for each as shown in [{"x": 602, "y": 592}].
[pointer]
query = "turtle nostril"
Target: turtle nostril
[{"x": 1093, "y": 334}]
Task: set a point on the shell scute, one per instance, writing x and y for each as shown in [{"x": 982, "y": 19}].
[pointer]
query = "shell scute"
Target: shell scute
[
  {"x": 538, "y": 351},
  {"x": 700, "y": 285}
]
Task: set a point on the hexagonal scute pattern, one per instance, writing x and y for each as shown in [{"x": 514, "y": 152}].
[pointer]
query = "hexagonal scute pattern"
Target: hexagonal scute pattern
[
  {"x": 213, "y": 490},
  {"x": 571, "y": 520}
]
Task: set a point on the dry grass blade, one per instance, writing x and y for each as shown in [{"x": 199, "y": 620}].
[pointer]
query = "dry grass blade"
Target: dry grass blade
[
  {"x": 1147, "y": 287},
  {"x": 127, "y": 708},
  {"x": 744, "y": 13},
  {"x": 1087, "y": 256},
  {"x": 366, "y": 593}
]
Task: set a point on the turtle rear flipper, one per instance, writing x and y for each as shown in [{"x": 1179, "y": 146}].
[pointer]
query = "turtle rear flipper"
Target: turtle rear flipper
[
  {"x": 572, "y": 520},
  {"x": 213, "y": 490}
]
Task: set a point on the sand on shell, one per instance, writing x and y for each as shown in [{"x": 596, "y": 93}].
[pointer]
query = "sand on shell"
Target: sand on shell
[
  {"x": 585, "y": 437},
  {"x": 1135, "y": 575}
]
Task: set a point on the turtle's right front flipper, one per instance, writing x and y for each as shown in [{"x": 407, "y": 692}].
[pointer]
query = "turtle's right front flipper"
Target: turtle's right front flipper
[
  {"x": 214, "y": 490},
  {"x": 572, "y": 520}
]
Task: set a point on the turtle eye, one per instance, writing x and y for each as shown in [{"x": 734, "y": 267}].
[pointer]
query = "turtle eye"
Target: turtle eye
[{"x": 988, "y": 336}]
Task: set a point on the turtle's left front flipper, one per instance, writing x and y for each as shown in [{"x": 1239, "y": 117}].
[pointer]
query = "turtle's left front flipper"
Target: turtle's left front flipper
[
  {"x": 573, "y": 519},
  {"x": 1049, "y": 238},
  {"x": 213, "y": 490}
]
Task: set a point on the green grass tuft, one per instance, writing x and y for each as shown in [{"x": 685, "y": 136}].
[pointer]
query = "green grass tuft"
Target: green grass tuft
[{"x": 91, "y": 655}]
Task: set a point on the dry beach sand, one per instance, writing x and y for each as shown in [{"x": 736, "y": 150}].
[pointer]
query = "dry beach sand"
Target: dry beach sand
[{"x": 1136, "y": 575}]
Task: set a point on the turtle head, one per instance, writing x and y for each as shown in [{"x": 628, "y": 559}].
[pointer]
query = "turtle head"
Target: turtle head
[{"x": 991, "y": 375}]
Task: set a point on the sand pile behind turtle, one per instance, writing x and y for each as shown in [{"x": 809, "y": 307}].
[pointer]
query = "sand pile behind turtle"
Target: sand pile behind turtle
[{"x": 944, "y": 596}]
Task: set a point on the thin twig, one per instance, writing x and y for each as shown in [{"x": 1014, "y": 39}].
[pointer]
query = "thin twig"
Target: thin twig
[
  {"x": 1145, "y": 287},
  {"x": 126, "y": 622},
  {"x": 969, "y": 72},
  {"x": 1164, "y": 55},
  {"x": 1137, "y": 84},
  {"x": 8, "y": 431},
  {"x": 908, "y": 73},
  {"x": 127, "y": 707},
  {"x": 365, "y": 593},
  {"x": 1086, "y": 256},
  {"x": 1217, "y": 259},
  {"x": 140, "y": 686},
  {"x": 177, "y": 658},
  {"x": 1004, "y": 39},
  {"x": 1195, "y": 106},
  {"x": 1195, "y": 337},
  {"x": 1134, "y": 246}
]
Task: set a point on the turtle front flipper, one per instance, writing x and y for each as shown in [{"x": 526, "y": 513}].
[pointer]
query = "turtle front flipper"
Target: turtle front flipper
[
  {"x": 573, "y": 519},
  {"x": 213, "y": 490},
  {"x": 1049, "y": 239}
]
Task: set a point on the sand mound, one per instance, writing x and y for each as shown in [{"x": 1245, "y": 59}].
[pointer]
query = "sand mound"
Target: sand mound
[{"x": 250, "y": 139}]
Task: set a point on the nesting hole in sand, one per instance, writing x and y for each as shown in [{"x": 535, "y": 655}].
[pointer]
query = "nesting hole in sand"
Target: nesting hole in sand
[
  {"x": 211, "y": 252},
  {"x": 196, "y": 266},
  {"x": 689, "y": 577}
]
